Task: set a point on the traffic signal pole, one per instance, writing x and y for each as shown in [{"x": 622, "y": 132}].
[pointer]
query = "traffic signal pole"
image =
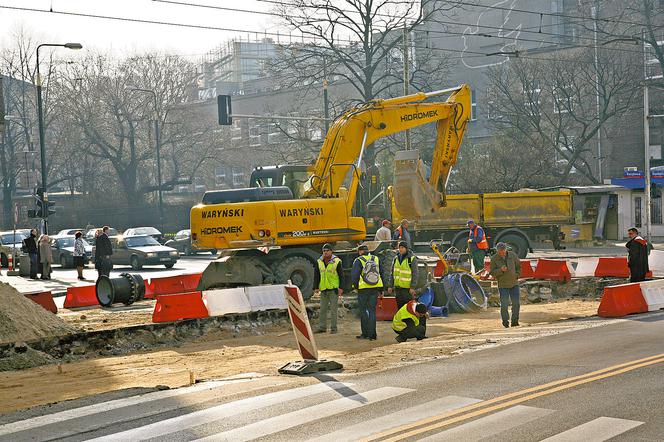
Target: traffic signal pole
[{"x": 42, "y": 146}]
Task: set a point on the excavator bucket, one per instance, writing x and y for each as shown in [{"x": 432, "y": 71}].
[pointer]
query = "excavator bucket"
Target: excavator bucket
[{"x": 413, "y": 195}]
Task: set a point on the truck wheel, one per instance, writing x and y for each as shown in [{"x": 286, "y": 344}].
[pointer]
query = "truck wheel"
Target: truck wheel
[
  {"x": 518, "y": 244},
  {"x": 299, "y": 271},
  {"x": 169, "y": 265},
  {"x": 386, "y": 264}
]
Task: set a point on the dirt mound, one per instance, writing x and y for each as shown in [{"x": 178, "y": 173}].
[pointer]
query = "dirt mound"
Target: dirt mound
[{"x": 23, "y": 320}]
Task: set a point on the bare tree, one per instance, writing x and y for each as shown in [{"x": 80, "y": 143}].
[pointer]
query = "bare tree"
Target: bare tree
[
  {"x": 116, "y": 121},
  {"x": 549, "y": 100}
]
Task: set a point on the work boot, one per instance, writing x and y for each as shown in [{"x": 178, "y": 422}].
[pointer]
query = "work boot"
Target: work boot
[
  {"x": 361, "y": 337},
  {"x": 400, "y": 339},
  {"x": 506, "y": 324},
  {"x": 333, "y": 331},
  {"x": 515, "y": 324}
]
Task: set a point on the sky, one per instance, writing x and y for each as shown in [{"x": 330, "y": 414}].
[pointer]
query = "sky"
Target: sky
[{"x": 124, "y": 38}]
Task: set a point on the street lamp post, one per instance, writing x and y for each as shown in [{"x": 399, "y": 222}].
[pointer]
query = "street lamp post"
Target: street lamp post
[
  {"x": 157, "y": 137},
  {"x": 40, "y": 115}
]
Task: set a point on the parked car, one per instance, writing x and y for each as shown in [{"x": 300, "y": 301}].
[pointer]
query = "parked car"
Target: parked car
[
  {"x": 63, "y": 251},
  {"x": 69, "y": 232},
  {"x": 90, "y": 234},
  {"x": 182, "y": 243},
  {"x": 150, "y": 231},
  {"x": 142, "y": 250},
  {"x": 9, "y": 241}
]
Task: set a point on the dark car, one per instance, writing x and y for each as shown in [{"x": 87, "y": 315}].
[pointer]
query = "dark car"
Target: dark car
[
  {"x": 139, "y": 251},
  {"x": 63, "y": 251},
  {"x": 11, "y": 241},
  {"x": 150, "y": 231},
  {"x": 182, "y": 242},
  {"x": 90, "y": 234}
]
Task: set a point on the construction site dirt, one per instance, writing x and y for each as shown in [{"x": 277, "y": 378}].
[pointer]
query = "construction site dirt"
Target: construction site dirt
[{"x": 137, "y": 354}]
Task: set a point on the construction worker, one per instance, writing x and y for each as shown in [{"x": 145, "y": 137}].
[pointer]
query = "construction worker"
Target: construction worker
[
  {"x": 402, "y": 234},
  {"x": 365, "y": 276},
  {"x": 404, "y": 275},
  {"x": 384, "y": 233},
  {"x": 328, "y": 280},
  {"x": 478, "y": 246},
  {"x": 506, "y": 268},
  {"x": 410, "y": 322}
]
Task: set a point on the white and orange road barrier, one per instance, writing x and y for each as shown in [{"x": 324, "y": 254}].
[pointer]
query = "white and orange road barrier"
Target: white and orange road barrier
[
  {"x": 304, "y": 336},
  {"x": 626, "y": 299}
]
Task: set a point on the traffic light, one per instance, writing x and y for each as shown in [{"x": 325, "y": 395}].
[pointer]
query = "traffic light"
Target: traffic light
[
  {"x": 224, "y": 110},
  {"x": 43, "y": 204}
]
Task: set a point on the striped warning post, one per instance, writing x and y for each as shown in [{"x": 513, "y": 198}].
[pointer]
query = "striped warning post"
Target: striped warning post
[{"x": 297, "y": 312}]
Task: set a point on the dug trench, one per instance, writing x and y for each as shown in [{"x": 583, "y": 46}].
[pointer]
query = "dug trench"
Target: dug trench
[{"x": 115, "y": 354}]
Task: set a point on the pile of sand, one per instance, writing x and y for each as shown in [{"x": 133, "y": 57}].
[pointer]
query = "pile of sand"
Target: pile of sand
[{"x": 23, "y": 320}]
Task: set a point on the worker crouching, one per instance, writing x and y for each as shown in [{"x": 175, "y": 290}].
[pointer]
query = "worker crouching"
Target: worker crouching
[
  {"x": 365, "y": 276},
  {"x": 329, "y": 280},
  {"x": 404, "y": 275},
  {"x": 410, "y": 321}
]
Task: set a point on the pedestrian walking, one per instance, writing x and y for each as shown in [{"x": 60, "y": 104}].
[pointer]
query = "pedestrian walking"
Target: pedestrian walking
[
  {"x": 30, "y": 247},
  {"x": 637, "y": 259},
  {"x": 506, "y": 268},
  {"x": 403, "y": 234},
  {"x": 478, "y": 246},
  {"x": 329, "y": 282},
  {"x": 45, "y": 256},
  {"x": 365, "y": 276},
  {"x": 410, "y": 321},
  {"x": 384, "y": 233},
  {"x": 79, "y": 254},
  {"x": 404, "y": 275},
  {"x": 103, "y": 252}
]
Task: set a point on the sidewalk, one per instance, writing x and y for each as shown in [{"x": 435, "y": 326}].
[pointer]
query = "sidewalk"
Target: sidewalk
[{"x": 58, "y": 287}]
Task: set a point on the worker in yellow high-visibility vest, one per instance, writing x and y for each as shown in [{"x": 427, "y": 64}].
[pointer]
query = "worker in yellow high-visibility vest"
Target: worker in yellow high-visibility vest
[
  {"x": 404, "y": 275},
  {"x": 366, "y": 277},
  {"x": 328, "y": 282},
  {"x": 410, "y": 322}
]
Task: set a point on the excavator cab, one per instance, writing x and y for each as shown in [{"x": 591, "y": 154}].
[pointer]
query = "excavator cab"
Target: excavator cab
[{"x": 293, "y": 176}]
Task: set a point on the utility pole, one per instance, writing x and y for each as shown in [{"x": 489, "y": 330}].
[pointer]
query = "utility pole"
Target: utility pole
[
  {"x": 326, "y": 103},
  {"x": 406, "y": 74},
  {"x": 646, "y": 142},
  {"x": 594, "y": 12}
]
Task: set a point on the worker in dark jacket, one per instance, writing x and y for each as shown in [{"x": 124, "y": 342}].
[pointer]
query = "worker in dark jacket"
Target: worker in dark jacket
[
  {"x": 365, "y": 276},
  {"x": 103, "y": 252},
  {"x": 638, "y": 256},
  {"x": 410, "y": 321},
  {"x": 404, "y": 275},
  {"x": 478, "y": 245},
  {"x": 30, "y": 247},
  {"x": 328, "y": 283},
  {"x": 506, "y": 268}
]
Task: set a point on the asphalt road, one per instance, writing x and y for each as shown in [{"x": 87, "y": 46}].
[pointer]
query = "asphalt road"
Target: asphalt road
[{"x": 590, "y": 384}]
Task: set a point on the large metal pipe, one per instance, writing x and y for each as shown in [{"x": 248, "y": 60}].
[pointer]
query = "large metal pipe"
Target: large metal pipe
[{"x": 126, "y": 289}]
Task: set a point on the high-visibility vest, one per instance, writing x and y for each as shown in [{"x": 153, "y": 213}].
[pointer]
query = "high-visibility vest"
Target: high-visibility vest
[
  {"x": 329, "y": 278},
  {"x": 405, "y": 312},
  {"x": 363, "y": 285},
  {"x": 402, "y": 273},
  {"x": 483, "y": 244}
]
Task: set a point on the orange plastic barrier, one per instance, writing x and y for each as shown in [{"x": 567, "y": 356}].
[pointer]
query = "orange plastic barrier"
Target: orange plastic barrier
[
  {"x": 83, "y": 296},
  {"x": 177, "y": 307},
  {"x": 527, "y": 270},
  {"x": 552, "y": 269},
  {"x": 386, "y": 308},
  {"x": 45, "y": 299},
  {"x": 612, "y": 266},
  {"x": 622, "y": 300},
  {"x": 171, "y": 285}
]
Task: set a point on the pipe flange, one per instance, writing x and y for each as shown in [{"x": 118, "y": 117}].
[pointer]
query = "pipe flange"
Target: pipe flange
[{"x": 134, "y": 293}]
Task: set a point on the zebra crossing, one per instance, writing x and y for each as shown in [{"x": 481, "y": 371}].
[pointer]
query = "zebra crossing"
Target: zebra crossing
[{"x": 271, "y": 415}]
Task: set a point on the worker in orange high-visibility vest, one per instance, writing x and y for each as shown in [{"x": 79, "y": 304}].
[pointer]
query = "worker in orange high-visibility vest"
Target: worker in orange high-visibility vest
[{"x": 478, "y": 246}]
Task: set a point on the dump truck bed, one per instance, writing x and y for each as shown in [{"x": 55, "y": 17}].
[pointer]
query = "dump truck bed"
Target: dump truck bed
[{"x": 508, "y": 209}]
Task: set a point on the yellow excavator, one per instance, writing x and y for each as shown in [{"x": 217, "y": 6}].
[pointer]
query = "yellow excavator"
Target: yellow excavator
[{"x": 273, "y": 233}]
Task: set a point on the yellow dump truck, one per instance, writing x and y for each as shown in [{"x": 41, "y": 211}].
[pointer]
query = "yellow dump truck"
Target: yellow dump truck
[{"x": 517, "y": 218}]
